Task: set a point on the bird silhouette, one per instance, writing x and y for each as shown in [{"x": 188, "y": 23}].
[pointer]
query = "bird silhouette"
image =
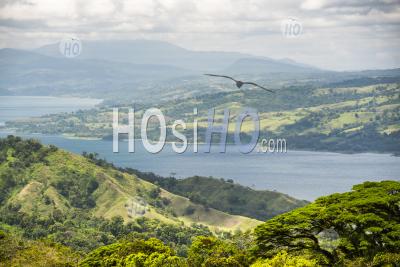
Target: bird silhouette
[{"x": 239, "y": 84}]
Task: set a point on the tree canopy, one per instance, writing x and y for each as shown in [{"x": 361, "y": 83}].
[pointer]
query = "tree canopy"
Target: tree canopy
[{"x": 366, "y": 222}]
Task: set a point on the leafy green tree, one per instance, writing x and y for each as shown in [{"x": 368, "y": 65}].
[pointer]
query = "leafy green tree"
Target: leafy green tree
[
  {"x": 283, "y": 259},
  {"x": 212, "y": 252},
  {"x": 367, "y": 221},
  {"x": 146, "y": 253}
]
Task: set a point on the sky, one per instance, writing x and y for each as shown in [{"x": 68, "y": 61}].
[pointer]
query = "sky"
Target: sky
[{"x": 335, "y": 34}]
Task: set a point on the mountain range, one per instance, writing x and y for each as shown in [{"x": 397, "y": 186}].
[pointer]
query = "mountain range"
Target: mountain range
[
  {"x": 163, "y": 53},
  {"x": 113, "y": 68}
]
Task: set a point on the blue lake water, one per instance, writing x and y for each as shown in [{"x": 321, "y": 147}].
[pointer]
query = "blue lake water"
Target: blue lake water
[
  {"x": 18, "y": 107},
  {"x": 302, "y": 174}
]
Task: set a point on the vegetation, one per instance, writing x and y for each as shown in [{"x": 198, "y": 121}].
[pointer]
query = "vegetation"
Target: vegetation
[
  {"x": 225, "y": 195},
  {"x": 17, "y": 251},
  {"x": 365, "y": 223},
  {"x": 151, "y": 252},
  {"x": 56, "y": 211},
  {"x": 283, "y": 259},
  {"x": 350, "y": 117},
  {"x": 358, "y": 228}
]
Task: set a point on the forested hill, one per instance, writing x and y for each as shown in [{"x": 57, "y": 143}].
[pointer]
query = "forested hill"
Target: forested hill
[
  {"x": 226, "y": 196},
  {"x": 48, "y": 182}
]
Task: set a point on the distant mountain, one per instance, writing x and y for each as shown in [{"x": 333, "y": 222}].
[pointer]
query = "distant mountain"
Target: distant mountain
[
  {"x": 5, "y": 92},
  {"x": 149, "y": 71},
  {"x": 265, "y": 65},
  {"x": 158, "y": 52},
  {"x": 149, "y": 52},
  {"x": 30, "y": 73},
  {"x": 136, "y": 70}
]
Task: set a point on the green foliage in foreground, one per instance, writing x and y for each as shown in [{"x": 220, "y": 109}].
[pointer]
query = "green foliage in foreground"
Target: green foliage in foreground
[
  {"x": 365, "y": 223},
  {"x": 204, "y": 251},
  {"x": 150, "y": 252},
  {"x": 283, "y": 259}
]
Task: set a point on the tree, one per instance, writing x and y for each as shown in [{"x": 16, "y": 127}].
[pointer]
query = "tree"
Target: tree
[
  {"x": 283, "y": 259},
  {"x": 212, "y": 252},
  {"x": 367, "y": 221},
  {"x": 146, "y": 253}
]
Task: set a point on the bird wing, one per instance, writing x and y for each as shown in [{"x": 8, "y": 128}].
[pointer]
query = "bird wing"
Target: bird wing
[
  {"x": 223, "y": 76},
  {"x": 269, "y": 90}
]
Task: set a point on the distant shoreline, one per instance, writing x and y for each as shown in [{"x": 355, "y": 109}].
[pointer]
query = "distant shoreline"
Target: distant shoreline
[{"x": 92, "y": 138}]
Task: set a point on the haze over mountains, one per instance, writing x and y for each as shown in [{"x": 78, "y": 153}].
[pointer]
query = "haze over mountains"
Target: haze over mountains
[
  {"x": 163, "y": 53},
  {"x": 142, "y": 68}
]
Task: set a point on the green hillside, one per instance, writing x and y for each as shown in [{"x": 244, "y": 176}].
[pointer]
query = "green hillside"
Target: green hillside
[
  {"x": 227, "y": 196},
  {"x": 45, "y": 180}
]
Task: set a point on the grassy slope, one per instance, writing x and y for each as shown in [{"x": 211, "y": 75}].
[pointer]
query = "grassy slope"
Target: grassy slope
[{"x": 117, "y": 192}]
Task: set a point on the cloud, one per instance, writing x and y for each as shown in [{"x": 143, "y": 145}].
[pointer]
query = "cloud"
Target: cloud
[
  {"x": 338, "y": 34},
  {"x": 313, "y": 4}
]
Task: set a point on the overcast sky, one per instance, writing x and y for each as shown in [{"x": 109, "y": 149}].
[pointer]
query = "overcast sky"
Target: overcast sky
[{"x": 337, "y": 34}]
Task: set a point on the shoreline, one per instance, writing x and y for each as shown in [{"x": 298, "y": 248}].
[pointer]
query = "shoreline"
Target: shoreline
[{"x": 92, "y": 138}]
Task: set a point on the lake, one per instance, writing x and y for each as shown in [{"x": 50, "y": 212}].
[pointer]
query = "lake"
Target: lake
[
  {"x": 302, "y": 174},
  {"x": 18, "y": 107}
]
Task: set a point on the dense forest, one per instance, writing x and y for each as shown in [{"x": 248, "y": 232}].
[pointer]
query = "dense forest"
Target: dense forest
[{"x": 50, "y": 216}]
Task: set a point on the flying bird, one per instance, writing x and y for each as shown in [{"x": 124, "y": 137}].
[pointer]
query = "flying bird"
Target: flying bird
[{"x": 240, "y": 83}]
